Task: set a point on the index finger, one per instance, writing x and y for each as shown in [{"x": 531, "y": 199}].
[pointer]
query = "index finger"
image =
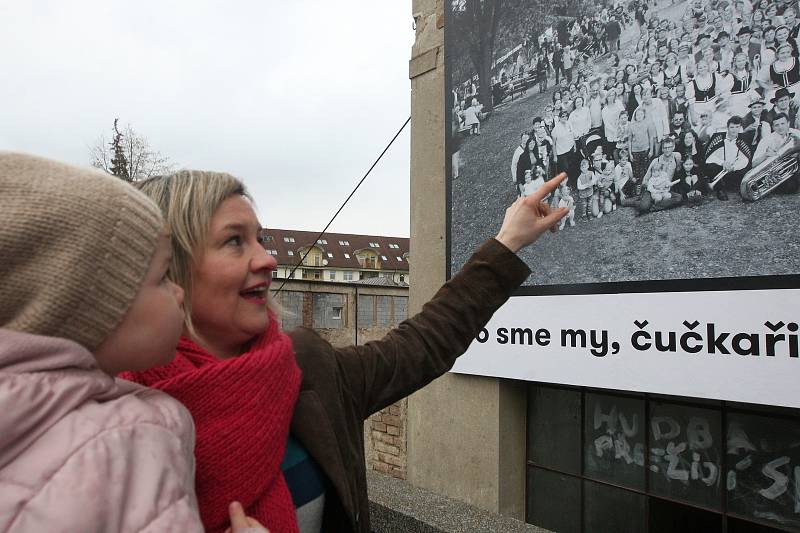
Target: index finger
[
  {"x": 238, "y": 518},
  {"x": 548, "y": 187}
]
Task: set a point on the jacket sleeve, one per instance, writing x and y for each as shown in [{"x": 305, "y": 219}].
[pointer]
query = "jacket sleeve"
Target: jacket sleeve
[
  {"x": 426, "y": 346},
  {"x": 130, "y": 478}
]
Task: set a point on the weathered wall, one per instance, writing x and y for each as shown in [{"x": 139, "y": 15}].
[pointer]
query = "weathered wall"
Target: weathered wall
[
  {"x": 385, "y": 431},
  {"x": 466, "y": 434}
]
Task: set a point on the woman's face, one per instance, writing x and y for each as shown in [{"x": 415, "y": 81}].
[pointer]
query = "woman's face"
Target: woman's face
[
  {"x": 784, "y": 53},
  {"x": 688, "y": 139},
  {"x": 637, "y": 90},
  {"x": 740, "y": 62},
  {"x": 782, "y": 35},
  {"x": 655, "y": 69},
  {"x": 619, "y": 75},
  {"x": 702, "y": 68},
  {"x": 230, "y": 280},
  {"x": 769, "y": 36}
]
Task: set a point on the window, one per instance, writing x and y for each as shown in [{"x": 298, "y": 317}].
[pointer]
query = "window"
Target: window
[
  {"x": 344, "y": 243},
  {"x": 290, "y": 252},
  {"x": 322, "y": 241},
  {"x": 366, "y": 311},
  {"x": 292, "y": 304},
  {"x": 393, "y": 246},
  {"x": 383, "y": 257},
  {"x": 399, "y": 258},
  {"x": 374, "y": 245},
  {"x": 291, "y": 274},
  {"x": 288, "y": 239},
  {"x": 347, "y": 256},
  {"x": 622, "y": 461},
  {"x": 402, "y": 278},
  {"x": 272, "y": 252},
  {"x": 400, "y": 304},
  {"x": 348, "y": 275},
  {"x": 368, "y": 261},
  {"x": 327, "y": 310},
  {"x": 330, "y": 254},
  {"x": 384, "y": 311},
  {"x": 274, "y": 273},
  {"x": 332, "y": 275},
  {"x": 267, "y": 238}
]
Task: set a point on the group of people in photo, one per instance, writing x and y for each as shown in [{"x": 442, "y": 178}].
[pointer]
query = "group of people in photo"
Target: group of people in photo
[{"x": 708, "y": 91}]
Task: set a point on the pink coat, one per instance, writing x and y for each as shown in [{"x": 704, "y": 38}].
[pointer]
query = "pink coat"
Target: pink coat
[{"x": 81, "y": 451}]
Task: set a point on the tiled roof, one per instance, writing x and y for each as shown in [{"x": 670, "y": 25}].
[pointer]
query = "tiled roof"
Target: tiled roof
[
  {"x": 334, "y": 247},
  {"x": 380, "y": 282}
]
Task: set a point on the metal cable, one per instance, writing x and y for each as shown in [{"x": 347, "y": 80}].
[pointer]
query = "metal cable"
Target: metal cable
[{"x": 303, "y": 258}]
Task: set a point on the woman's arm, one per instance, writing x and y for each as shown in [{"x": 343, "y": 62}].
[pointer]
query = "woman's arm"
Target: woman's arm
[{"x": 426, "y": 346}]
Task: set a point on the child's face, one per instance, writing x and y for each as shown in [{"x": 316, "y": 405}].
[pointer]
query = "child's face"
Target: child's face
[
  {"x": 584, "y": 165},
  {"x": 152, "y": 326},
  {"x": 688, "y": 164}
]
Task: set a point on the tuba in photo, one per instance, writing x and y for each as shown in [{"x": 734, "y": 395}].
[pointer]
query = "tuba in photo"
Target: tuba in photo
[{"x": 771, "y": 173}]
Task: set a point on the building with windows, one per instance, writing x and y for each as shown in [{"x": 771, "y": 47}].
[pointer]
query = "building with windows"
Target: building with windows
[{"x": 339, "y": 257}]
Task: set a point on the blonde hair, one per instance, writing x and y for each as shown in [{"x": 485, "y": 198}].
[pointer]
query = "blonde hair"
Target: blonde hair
[{"x": 188, "y": 200}]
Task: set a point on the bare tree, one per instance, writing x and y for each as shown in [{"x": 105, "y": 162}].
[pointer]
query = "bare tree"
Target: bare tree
[
  {"x": 128, "y": 156},
  {"x": 476, "y": 22}
]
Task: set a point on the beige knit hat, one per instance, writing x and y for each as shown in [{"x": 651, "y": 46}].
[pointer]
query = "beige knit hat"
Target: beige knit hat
[{"x": 75, "y": 245}]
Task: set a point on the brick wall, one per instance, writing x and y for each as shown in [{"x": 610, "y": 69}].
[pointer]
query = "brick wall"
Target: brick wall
[{"x": 387, "y": 436}]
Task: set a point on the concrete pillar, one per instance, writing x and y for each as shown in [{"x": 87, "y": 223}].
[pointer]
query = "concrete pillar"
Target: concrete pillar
[{"x": 466, "y": 434}]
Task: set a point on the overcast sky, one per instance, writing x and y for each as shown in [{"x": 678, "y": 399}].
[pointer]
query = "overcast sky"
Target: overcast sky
[{"x": 295, "y": 97}]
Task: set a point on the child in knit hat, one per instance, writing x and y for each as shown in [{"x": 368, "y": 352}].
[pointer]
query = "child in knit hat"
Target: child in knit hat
[{"x": 84, "y": 295}]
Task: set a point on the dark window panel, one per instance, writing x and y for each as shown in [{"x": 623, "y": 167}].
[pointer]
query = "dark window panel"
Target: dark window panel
[
  {"x": 613, "y": 509},
  {"x": 686, "y": 453},
  {"x": 614, "y": 447},
  {"x": 670, "y": 517},
  {"x": 743, "y": 526},
  {"x": 554, "y": 428},
  {"x": 763, "y": 477},
  {"x": 554, "y": 501}
]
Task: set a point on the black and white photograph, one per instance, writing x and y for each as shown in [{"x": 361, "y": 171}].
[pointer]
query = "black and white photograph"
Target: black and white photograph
[{"x": 676, "y": 123}]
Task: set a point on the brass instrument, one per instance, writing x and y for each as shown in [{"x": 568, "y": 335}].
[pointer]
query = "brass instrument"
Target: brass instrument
[
  {"x": 716, "y": 179},
  {"x": 771, "y": 173}
]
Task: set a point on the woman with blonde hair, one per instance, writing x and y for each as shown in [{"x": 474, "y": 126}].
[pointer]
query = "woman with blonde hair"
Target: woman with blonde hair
[{"x": 279, "y": 417}]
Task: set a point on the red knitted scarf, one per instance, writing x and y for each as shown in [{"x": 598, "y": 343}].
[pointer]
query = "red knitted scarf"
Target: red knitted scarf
[{"x": 242, "y": 408}]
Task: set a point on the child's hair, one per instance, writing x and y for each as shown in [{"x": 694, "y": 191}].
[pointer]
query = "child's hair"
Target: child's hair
[
  {"x": 76, "y": 245},
  {"x": 623, "y": 152}
]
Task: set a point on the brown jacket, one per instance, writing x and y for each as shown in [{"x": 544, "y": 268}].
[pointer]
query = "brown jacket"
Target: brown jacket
[{"x": 343, "y": 386}]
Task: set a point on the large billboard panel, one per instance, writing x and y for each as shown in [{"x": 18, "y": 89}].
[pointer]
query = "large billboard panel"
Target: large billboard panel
[{"x": 677, "y": 126}]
